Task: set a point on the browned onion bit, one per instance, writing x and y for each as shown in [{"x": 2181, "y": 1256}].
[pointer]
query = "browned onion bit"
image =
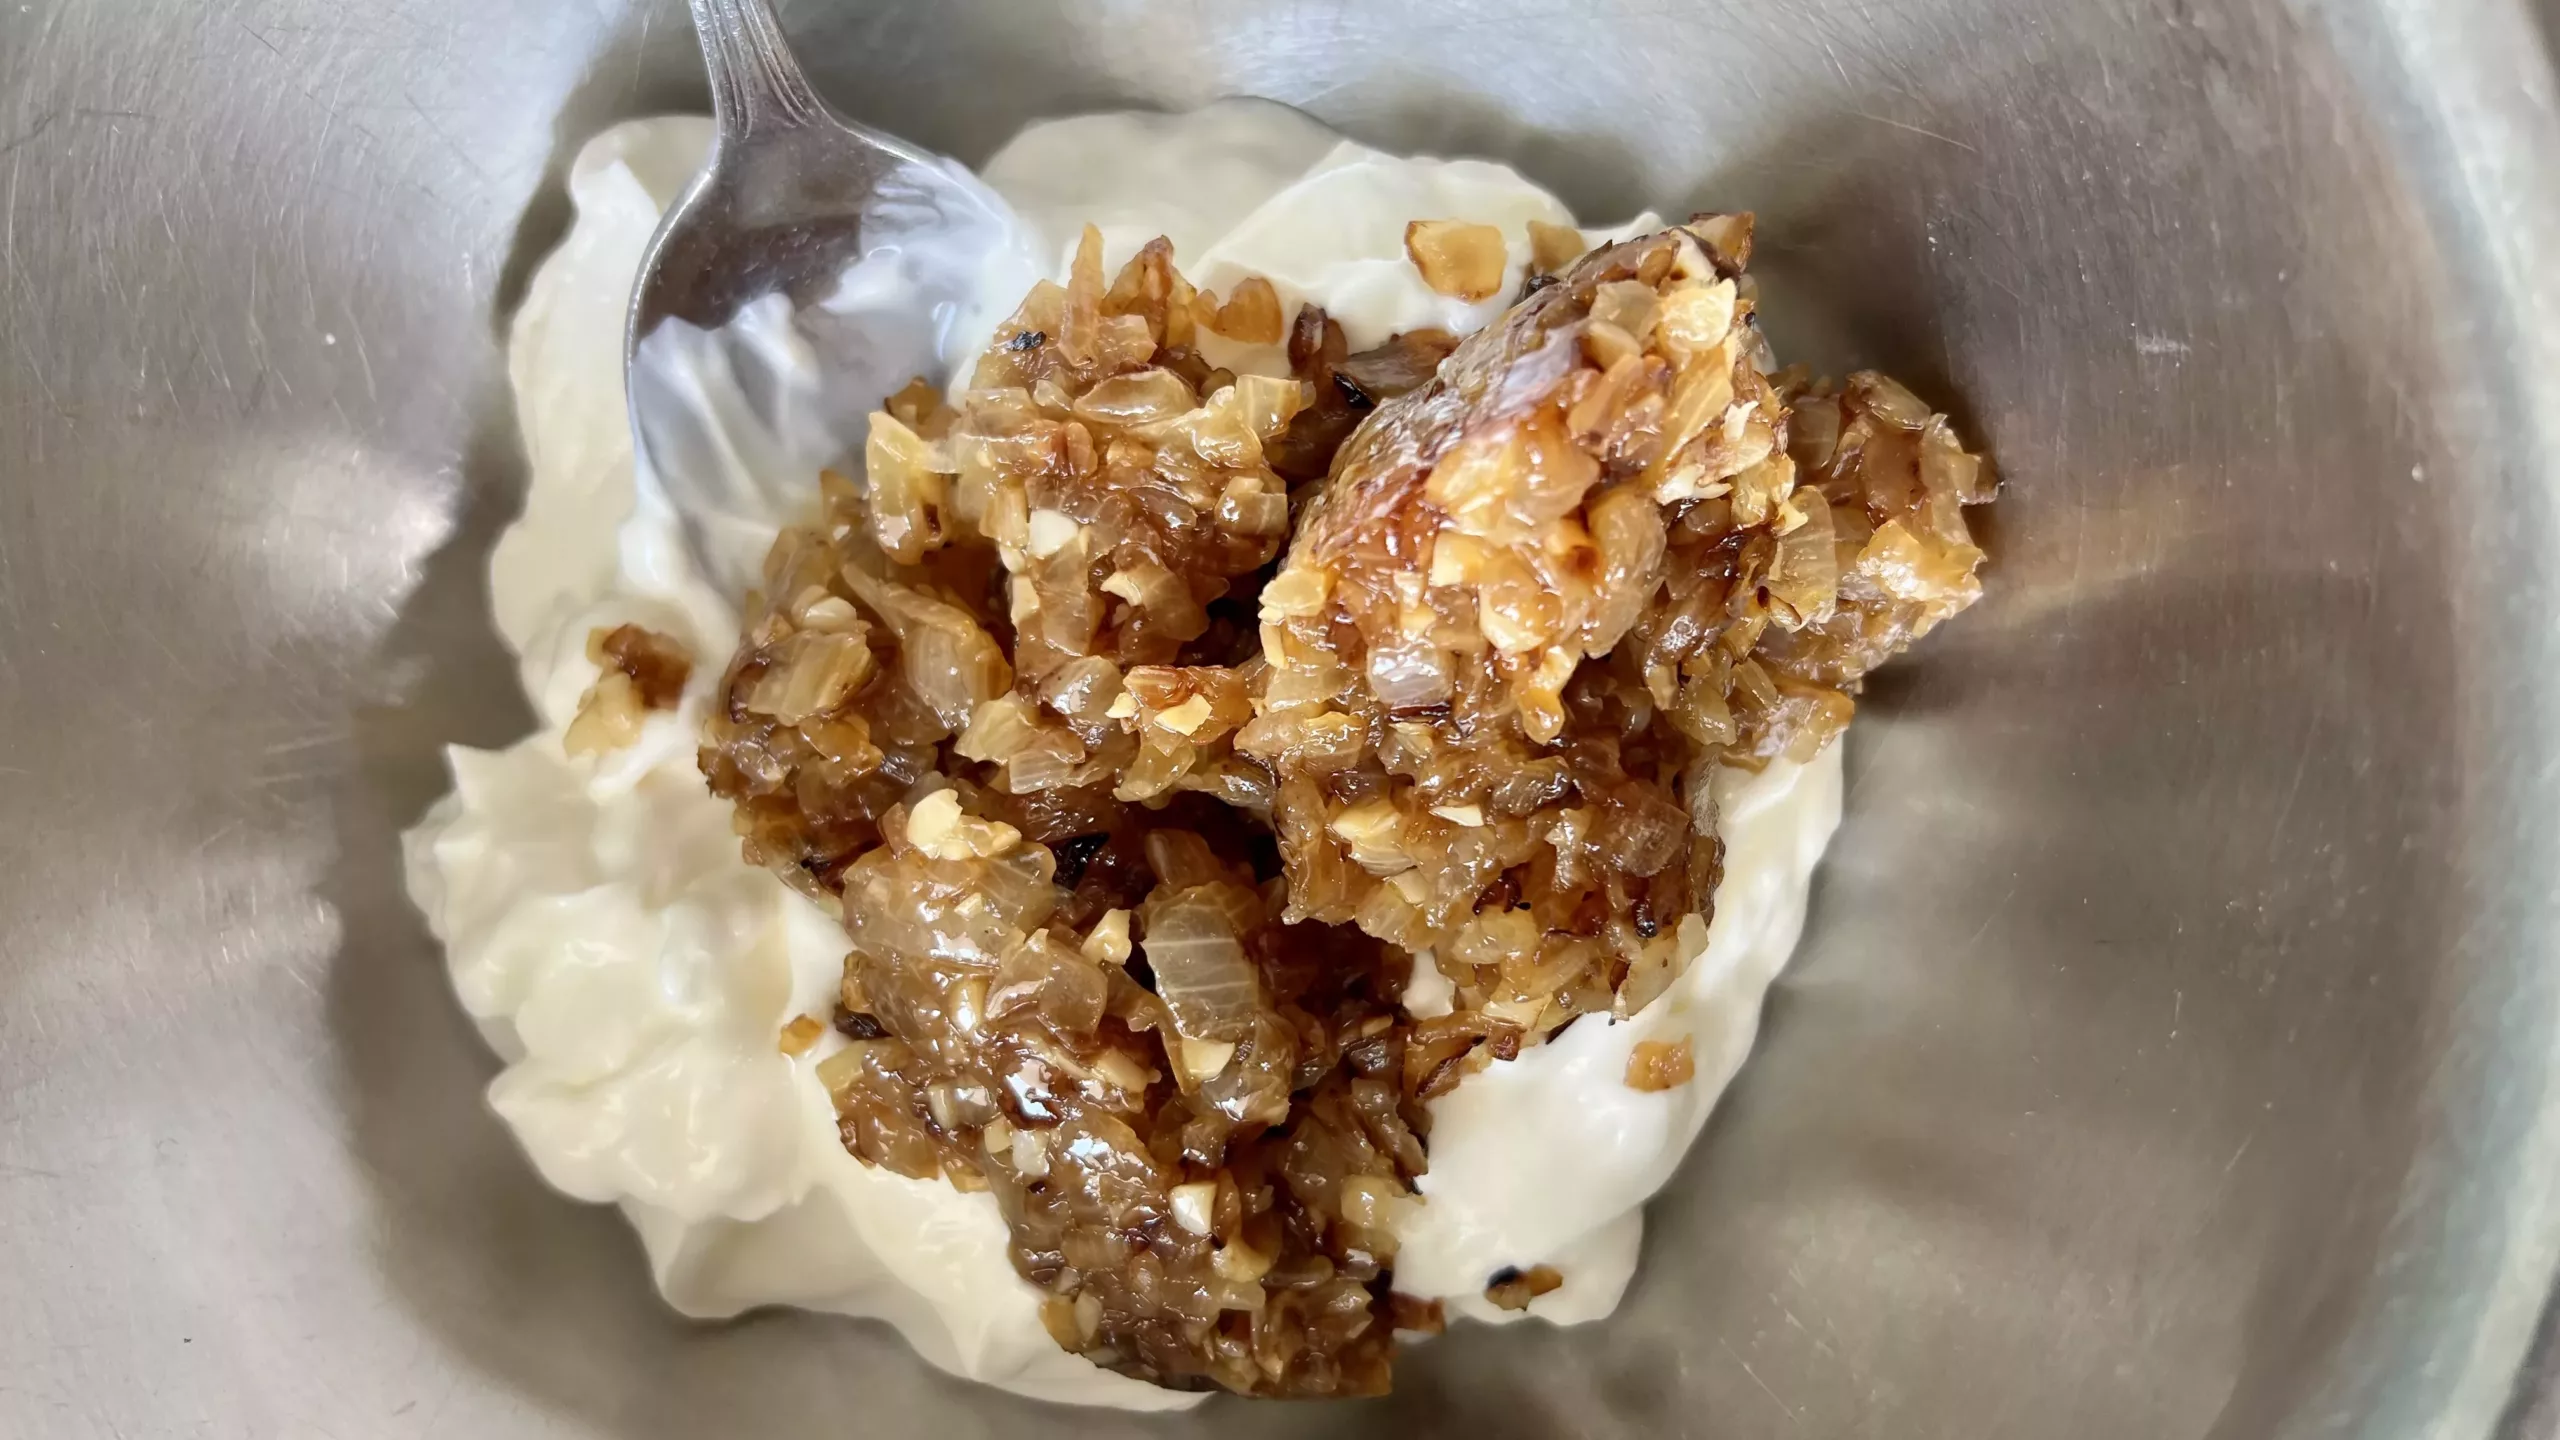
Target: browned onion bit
[
  {"x": 1661, "y": 1064},
  {"x": 638, "y": 670},
  {"x": 1132, "y": 897},
  {"x": 658, "y": 664}
]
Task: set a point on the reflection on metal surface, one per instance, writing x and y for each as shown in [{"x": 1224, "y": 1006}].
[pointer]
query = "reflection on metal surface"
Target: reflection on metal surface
[
  {"x": 2170, "y": 1052},
  {"x": 869, "y": 240}
]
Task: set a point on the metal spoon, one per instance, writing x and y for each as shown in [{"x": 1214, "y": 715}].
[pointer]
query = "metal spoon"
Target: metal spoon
[{"x": 872, "y": 245}]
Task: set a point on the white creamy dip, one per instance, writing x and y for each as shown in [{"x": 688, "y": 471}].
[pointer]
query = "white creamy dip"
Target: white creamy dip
[{"x": 634, "y": 972}]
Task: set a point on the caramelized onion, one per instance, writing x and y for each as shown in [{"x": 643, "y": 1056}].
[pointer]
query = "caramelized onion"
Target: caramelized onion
[{"x": 1037, "y": 691}]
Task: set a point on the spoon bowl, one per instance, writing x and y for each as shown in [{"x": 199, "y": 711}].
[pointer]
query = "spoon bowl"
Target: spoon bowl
[{"x": 804, "y": 232}]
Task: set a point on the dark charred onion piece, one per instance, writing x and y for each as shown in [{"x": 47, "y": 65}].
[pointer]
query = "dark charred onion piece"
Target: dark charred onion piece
[
  {"x": 1513, "y": 1288},
  {"x": 1347, "y": 387}
]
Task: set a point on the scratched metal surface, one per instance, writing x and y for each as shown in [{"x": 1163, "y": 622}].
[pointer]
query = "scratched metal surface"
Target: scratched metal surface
[{"x": 2170, "y": 1055}]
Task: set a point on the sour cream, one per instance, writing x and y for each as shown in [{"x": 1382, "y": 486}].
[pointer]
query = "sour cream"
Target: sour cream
[{"x": 634, "y": 973}]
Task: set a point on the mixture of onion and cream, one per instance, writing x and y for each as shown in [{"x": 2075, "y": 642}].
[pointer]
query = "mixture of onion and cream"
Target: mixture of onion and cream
[{"x": 1256, "y": 818}]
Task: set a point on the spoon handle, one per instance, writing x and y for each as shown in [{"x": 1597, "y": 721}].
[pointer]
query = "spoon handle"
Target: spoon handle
[{"x": 756, "y": 84}]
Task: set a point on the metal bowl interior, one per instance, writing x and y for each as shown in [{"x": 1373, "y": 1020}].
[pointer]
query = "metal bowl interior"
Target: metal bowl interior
[{"x": 2171, "y": 1051}]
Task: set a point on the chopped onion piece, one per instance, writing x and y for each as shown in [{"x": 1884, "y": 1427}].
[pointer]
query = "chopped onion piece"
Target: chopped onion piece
[
  {"x": 1553, "y": 247},
  {"x": 1249, "y": 316},
  {"x": 1804, "y": 579},
  {"x": 1202, "y": 973},
  {"x": 1410, "y": 675},
  {"x": 1194, "y": 1205},
  {"x": 952, "y": 664},
  {"x": 1203, "y": 1059},
  {"x": 1140, "y": 399},
  {"x": 908, "y": 489},
  {"x": 1458, "y": 259}
]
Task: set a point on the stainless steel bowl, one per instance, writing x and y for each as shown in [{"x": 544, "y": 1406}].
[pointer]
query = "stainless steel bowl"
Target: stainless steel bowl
[{"x": 2172, "y": 1051}]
